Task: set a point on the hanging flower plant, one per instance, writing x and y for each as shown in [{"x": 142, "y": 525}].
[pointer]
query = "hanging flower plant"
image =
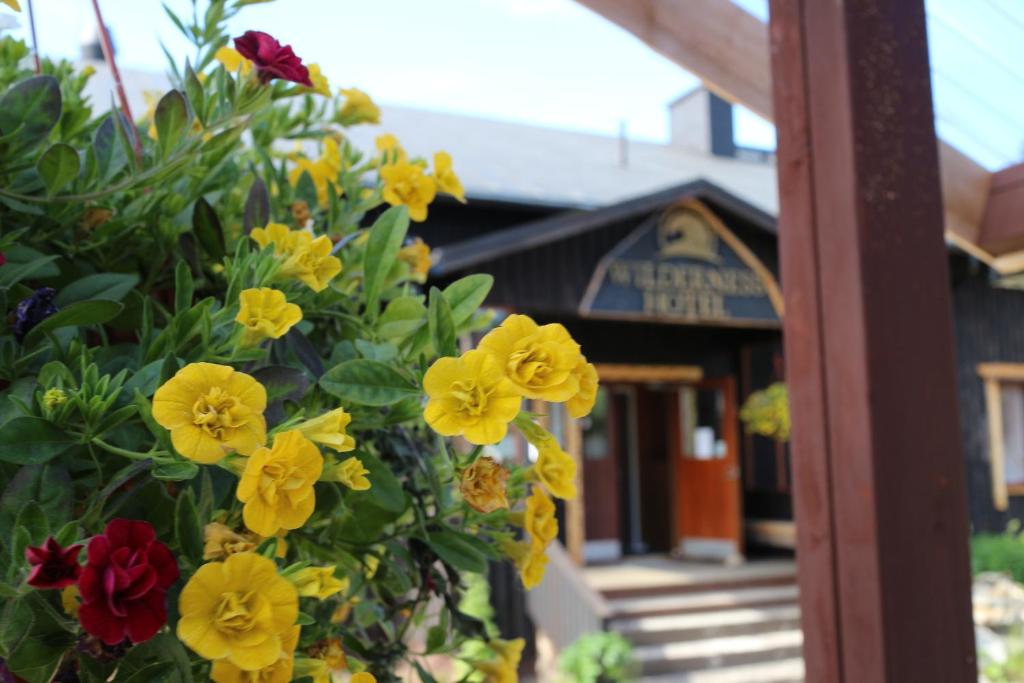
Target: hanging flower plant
[{"x": 239, "y": 439}]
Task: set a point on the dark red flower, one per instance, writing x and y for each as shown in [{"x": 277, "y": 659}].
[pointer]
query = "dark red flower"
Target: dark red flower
[
  {"x": 272, "y": 60},
  {"x": 52, "y": 565},
  {"x": 124, "y": 583}
]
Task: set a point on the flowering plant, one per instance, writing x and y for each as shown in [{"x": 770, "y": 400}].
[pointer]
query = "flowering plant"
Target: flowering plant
[{"x": 238, "y": 440}]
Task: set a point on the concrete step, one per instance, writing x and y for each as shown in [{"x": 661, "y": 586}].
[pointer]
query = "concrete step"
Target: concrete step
[
  {"x": 653, "y": 577},
  {"x": 706, "y": 601},
  {"x": 781, "y": 671},
  {"x": 716, "y": 653},
  {"x": 697, "y": 625}
]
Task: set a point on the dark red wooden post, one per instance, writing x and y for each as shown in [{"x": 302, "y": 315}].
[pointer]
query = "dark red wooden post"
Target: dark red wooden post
[{"x": 878, "y": 470}]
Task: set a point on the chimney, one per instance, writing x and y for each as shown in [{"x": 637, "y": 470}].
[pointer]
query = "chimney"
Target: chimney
[{"x": 701, "y": 121}]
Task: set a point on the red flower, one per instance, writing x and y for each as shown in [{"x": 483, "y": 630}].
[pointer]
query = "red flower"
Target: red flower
[
  {"x": 271, "y": 59},
  {"x": 53, "y": 566},
  {"x": 125, "y": 582}
]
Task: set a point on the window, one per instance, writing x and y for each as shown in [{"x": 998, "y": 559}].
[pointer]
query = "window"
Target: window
[{"x": 1004, "y": 405}]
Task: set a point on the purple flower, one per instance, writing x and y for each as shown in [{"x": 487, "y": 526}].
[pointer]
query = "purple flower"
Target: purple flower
[{"x": 33, "y": 310}]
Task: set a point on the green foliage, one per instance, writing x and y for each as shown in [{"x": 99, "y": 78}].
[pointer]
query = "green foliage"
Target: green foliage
[
  {"x": 999, "y": 553},
  {"x": 597, "y": 657}
]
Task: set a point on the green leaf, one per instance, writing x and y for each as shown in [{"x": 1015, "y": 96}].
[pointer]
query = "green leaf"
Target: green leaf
[
  {"x": 257, "y": 207},
  {"x": 32, "y": 440},
  {"x": 385, "y": 490},
  {"x": 402, "y": 316},
  {"x": 282, "y": 382},
  {"x": 176, "y": 471},
  {"x": 183, "y": 287},
  {"x": 32, "y": 518},
  {"x": 442, "y": 327},
  {"x": 146, "y": 379},
  {"x": 109, "y": 154},
  {"x": 453, "y": 548},
  {"x": 79, "y": 313},
  {"x": 206, "y": 226},
  {"x": 34, "y": 105},
  {"x": 187, "y": 528},
  {"x": 49, "y": 485},
  {"x": 383, "y": 352},
  {"x": 194, "y": 90},
  {"x": 39, "y": 653},
  {"x": 108, "y": 286},
  {"x": 367, "y": 382},
  {"x": 304, "y": 619},
  {"x": 436, "y": 639},
  {"x": 171, "y": 119},
  {"x": 465, "y": 295},
  {"x": 58, "y": 166},
  {"x": 16, "y": 623},
  {"x": 382, "y": 248}
]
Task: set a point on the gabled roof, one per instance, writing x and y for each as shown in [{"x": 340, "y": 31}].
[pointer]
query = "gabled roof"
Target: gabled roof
[{"x": 462, "y": 255}]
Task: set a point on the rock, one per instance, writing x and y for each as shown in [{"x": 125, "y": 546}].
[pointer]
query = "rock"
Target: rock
[{"x": 998, "y": 601}]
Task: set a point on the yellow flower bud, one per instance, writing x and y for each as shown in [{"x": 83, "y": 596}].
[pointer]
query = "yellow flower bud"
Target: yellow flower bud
[
  {"x": 352, "y": 474},
  {"x": 220, "y": 541},
  {"x": 265, "y": 314},
  {"x": 317, "y": 582}
]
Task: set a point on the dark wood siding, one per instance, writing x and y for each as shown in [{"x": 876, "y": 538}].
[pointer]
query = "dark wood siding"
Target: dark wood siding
[{"x": 989, "y": 327}]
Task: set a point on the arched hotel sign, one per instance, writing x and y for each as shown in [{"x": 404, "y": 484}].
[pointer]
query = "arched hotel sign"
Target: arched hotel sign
[{"x": 684, "y": 266}]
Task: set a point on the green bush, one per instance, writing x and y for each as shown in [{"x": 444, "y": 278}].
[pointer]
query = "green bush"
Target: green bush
[
  {"x": 999, "y": 553},
  {"x": 597, "y": 657}
]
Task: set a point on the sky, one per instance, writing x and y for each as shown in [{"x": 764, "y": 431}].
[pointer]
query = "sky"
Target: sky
[
  {"x": 546, "y": 62},
  {"x": 555, "y": 63}
]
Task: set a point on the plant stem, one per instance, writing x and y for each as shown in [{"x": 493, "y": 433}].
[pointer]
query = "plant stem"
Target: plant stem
[
  {"x": 132, "y": 455},
  {"x": 35, "y": 40}
]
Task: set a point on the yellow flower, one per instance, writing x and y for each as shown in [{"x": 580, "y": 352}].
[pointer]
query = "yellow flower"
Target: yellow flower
[
  {"x": 539, "y": 360},
  {"x": 582, "y": 402},
  {"x": 341, "y": 613},
  {"x": 387, "y": 143},
  {"x": 13, "y": 4},
  {"x": 505, "y": 668},
  {"x": 470, "y": 396},
  {"x": 151, "y": 98},
  {"x": 317, "y": 582},
  {"x": 352, "y": 474},
  {"x": 232, "y": 60},
  {"x": 363, "y": 677},
  {"x": 277, "y": 484},
  {"x": 447, "y": 181},
  {"x": 281, "y": 671},
  {"x": 483, "y": 485},
  {"x": 323, "y": 172},
  {"x": 533, "y": 566},
  {"x": 555, "y": 469},
  {"x": 320, "y": 84},
  {"x": 407, "y": 185},
  {"x": 329, "y": 430},
  {"x": 71, "y": 600},
  {"x": 301, "y": 256},
  {"x": 220, "y": 540},
  {"x": 417, "y": 255},
  {"x": 240, "y": 610},
  {"x": 212, "y": 410},
  {"x": 265, "y": 313},
  {"x": 54, "y": 398},
  {"x": 541, "y": 523},
  {"x": 358, "y": 108}
]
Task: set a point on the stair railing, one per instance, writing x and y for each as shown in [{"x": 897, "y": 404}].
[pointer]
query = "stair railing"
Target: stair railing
[{"x": 565, "y": 606}]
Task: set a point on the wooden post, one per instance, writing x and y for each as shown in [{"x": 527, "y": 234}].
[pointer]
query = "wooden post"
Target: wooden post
[{"x": 878, "y": 471}]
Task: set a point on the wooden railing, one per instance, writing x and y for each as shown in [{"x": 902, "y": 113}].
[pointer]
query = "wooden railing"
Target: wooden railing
[{"x": 564, "y": 606}]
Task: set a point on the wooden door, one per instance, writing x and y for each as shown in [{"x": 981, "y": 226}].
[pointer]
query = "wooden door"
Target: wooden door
[{"x": 708, "y": 503}]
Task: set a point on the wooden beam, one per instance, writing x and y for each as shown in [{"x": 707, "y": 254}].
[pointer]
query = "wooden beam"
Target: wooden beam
[
  {"x": 612, "y": 372},
  {"x": 727, "y": 48},
  {"x": 880, "y": 490},
  {"x": 1002, "y": 230}
]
